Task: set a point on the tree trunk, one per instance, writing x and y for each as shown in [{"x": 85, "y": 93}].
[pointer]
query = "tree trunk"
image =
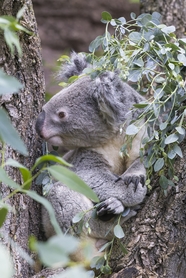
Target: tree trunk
[
  {"x": 155, "y": 238},
  {"x": 23, "y": 108}
]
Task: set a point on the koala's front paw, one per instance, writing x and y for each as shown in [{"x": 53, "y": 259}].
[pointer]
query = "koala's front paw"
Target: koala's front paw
[
  {"x": 108, "y": 208},
  {"x": 135, "y": 179}
]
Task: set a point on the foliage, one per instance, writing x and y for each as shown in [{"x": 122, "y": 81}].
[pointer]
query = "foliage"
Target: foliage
[
  {"x": 150, "y": 57},
  {"x": 10, "y": 25}
]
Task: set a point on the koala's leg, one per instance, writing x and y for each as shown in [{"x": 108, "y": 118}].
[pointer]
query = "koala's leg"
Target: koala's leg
[{"x": 67, "y": 203}]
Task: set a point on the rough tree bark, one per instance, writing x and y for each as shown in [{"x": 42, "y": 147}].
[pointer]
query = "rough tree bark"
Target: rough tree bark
[
  {"x": 23, "y": 108},
  {"x": 155, "y": 239}
]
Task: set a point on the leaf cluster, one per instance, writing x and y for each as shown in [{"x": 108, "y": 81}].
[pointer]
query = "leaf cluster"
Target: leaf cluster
[
  {"x": 152, "y": 59},
  {"x": 10, "y": 26}
]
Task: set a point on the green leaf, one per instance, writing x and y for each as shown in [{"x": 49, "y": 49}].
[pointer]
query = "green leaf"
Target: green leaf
[
  {"x": 134, "y": 75},
  {"x": 106, "y": 16},
  {"x": 168, "y": 29},
  {"x": 118, "y": 231},
  {"x": 171, "y": 138},
  {"x": 73, "y": 79},
  {"x": 96, "y": 43},
  {"x": 3, "y": 214},
  {"x": 48, "y": 207},
  {"x": 171, "y": 154},
  {"x": 7, "y": 180},
  {"x": 12, "y": 41},
  {"x": 163, "y": 182},
  {"x": 106, "y": 269},
  {"x": 135, "y": 37},
  {"x": 140, "y": 105},
  {"x": 71, "y": 180},
  {"x": 56, "y": 250},
  {"x": 49, "y": 157},
  {"x": 163, "y": 126},
  {"x": 180, "y": 130},
  {"x": 6, "y": 266},
  {"x": 26, "y": 174},
  {"x": 132, "y": 130},
  {"x": 122, "y": 20},
  {"x": 139, "y": 62},
  {"x": 97, "y": 262},
  {"x": 10, "y": 135},
  {"x": 20, "y": 12},
  {"x": 123, "y": 248},
  {"x": 75, "y": 271},
  {"x": 178, "y": 151},
  {"x": 133, "y": 15},
  {"x": 78, "y": 217},
  {"x": 105, "y": 246},
  {"x": 182, "y": 59},
  {"x": 9, "y": 84},
  {"x": 159, "y": 164}
]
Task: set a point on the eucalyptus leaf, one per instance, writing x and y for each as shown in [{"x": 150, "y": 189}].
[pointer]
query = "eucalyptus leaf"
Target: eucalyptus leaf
[
  {"x": 12, "y": 41},
  {"x": 6, "y": 266},
  {"x": 180, "y": 130},
  {"x": 3, "y": 214},
  {"x": 76, "y": 272},
  {"x": 48, "y": 158},
  {"x": 132, "y": 130},
  {"x": 171, "y": 138},
  {"x": 134, "y": 75},
  {"x": 163, "y": 126},
  {"x": 182, "y": 58},
  {"x": 96, "y": 43},
  {"x": 135, "y": 37},
  {"x": 105, "y": 246},
  {"x": 97, "y": 262},
  {"x": 7, "y": 180},
  {"x": 178, "y": 150},
  {"x": 47, "y": 206},
  {"x": 159, "y": 164},
  {"x": 9, "y": 134},
  {"x": 56, "y": 251},
  {"x": 118, "y": 231},
  {"x": 9, "y": 84},
  {"x": 123, "y": 248},
  {"x": 26, "y": 174},
  {"x": 78, "y": 217},
  {"x": 163, "y": 182},
  {"x": 71, "y": 180},
  {"x": 168, "y": 29},
  {"x": 106, "y": 16}
]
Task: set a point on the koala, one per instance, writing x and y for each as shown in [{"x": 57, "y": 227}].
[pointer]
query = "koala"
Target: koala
[{"x": 86, "y": 118}]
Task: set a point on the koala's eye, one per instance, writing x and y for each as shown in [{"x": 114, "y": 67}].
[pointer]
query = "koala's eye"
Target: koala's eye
[{"x": 61, "y": 115}]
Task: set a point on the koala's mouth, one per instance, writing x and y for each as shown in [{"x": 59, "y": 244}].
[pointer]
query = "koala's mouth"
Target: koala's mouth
[{"x": 55, "y": 141}]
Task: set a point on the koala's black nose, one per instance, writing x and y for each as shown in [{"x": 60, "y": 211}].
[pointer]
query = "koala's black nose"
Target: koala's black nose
[{"x": 40, "y": 123}]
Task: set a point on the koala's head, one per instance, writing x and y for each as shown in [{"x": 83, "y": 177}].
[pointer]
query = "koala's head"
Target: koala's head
[{"x": 88, "y": 112}]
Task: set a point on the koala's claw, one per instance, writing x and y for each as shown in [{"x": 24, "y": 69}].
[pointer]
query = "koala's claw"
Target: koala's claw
[
  {"x": 134, "y": 179},
  {"x": 110, "y": 206}
]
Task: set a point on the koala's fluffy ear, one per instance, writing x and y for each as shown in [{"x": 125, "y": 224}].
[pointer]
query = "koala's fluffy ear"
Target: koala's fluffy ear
[
  {"x": 107, "y": 94},
  {"x": 75, "y": 66}
]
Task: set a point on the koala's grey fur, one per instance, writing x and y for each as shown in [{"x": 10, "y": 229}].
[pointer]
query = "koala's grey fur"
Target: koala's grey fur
[{"x": 86, "y": 118}]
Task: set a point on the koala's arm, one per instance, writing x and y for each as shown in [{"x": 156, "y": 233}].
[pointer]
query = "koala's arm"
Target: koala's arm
[{"x": 118, "y": 193}]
